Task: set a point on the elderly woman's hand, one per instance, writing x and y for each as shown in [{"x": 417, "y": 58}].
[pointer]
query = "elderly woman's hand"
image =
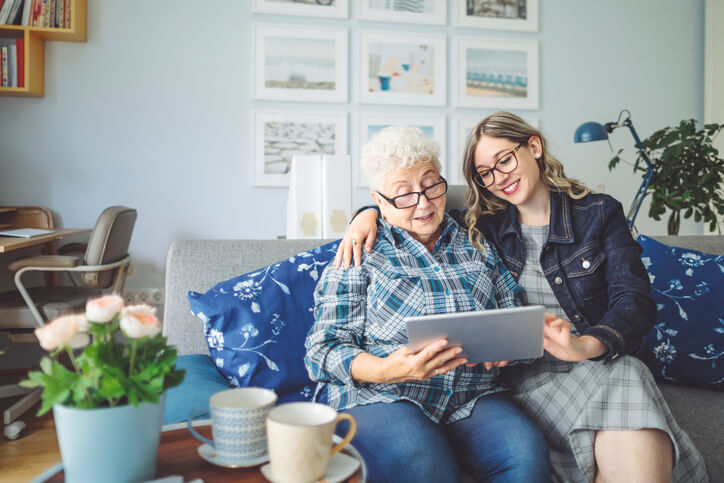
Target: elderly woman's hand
[
  {"x": 362, "y": 230},
  {"x": 403, "y": 365}
]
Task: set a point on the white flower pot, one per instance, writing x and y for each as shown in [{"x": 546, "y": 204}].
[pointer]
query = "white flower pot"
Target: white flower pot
[{"x": 116, "y": 444}]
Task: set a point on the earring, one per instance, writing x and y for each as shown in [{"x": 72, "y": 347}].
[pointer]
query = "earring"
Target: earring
[{"x": 537, "y": 155}]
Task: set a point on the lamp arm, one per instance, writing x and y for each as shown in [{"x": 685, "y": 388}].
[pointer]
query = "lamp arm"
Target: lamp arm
[{"x": 639, "y": 144}]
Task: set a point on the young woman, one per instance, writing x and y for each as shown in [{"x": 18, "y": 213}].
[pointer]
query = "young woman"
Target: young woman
[{"x": 570, "y": 250}]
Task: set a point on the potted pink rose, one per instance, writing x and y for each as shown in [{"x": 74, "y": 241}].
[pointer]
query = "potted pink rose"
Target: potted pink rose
[{"x": 108, "y": 407}]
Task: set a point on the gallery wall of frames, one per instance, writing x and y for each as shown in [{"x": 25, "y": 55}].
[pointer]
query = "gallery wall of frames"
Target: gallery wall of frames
[{"x": 392, "y": 66}]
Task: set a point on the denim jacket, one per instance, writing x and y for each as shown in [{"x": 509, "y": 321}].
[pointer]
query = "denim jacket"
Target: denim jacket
[{"x": 592, "y": 263}]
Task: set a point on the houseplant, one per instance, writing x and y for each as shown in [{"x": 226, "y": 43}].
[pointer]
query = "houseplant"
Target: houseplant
[
  {"x": 108, "y": 406},
  {"x": 688, "y": 174}
]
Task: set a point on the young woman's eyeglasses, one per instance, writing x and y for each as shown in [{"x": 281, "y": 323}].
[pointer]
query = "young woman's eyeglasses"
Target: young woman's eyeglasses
[
  {"x": 505, "y": 164},
  {"x": 409, "y": 200}
]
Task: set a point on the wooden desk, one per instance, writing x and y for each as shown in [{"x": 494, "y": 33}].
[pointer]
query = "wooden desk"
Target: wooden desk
[{"x": 10, "y": 243}]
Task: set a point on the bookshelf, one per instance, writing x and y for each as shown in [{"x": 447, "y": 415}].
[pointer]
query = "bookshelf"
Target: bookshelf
[{"x": 35, "y": 38}]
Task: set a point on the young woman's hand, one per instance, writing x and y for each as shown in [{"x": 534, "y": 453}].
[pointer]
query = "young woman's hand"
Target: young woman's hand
[
  {"x": 362, "y": 230},
  {"x": 403, "y": 365},
  {"x": 560, "y": 343}
]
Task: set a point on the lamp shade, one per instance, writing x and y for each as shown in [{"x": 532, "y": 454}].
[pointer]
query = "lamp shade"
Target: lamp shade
[{"x": 590, "y": 131}]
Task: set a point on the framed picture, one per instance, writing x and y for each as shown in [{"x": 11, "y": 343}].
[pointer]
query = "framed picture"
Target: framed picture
[
  {"x": 432, "y": 12},
  {"x": 369, "y": 125},
  {"x": 300, "y": 63},
  {"x": 521, "y": 15},
  {"x": 497, "y": 73},
  {"x": 463, "y": 127},
  {"x": 402, "y": 68},
  {"x": 308, "y": 8},
  {"x": 279, "y": 135}
]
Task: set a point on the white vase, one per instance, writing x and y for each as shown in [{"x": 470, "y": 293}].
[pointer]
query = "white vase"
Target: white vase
[{"x": 116, "y": 444}]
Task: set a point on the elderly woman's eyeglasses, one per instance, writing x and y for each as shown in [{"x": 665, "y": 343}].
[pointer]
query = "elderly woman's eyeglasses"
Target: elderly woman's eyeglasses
[
  {"x": 409, "y": 200},
  {"x": 506, "y": 164}
]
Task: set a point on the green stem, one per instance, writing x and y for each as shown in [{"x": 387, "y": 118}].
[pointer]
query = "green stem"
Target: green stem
[
  {"x": 73, "y": 360},
  {"x": 133, "y": 357}
]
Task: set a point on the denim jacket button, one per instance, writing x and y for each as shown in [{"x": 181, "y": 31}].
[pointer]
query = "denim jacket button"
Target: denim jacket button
[
  {"x": 558, "y": 280},
  {"x": 586, "y": 264},
  {"x": 577, "y": 318}
]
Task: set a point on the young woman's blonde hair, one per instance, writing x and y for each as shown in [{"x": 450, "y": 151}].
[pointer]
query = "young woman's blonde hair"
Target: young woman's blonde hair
[{"x": 506, "y": 125}]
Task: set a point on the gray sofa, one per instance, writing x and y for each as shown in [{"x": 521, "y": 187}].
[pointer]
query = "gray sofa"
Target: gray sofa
[{"x": 199, "y": 264}]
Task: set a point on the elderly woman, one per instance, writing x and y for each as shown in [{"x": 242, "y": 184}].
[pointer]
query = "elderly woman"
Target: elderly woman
[{"x": 419, "y": 415}]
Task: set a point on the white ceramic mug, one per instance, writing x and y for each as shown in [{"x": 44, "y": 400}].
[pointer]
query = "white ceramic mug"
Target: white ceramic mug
[
  {"x": 238, "y": 419},
  {"x": 300, "y": 440}
]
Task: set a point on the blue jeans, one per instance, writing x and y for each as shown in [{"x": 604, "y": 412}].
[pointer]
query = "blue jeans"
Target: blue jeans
[{"x": 496, "y": 443}]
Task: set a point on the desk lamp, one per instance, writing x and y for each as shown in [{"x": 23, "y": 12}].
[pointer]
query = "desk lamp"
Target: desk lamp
[{"x": 594, "y": 131}]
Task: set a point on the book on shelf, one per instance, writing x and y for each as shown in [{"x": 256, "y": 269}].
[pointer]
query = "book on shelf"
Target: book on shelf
[
  {"x": 20, "y": 47},
  {"x": 4, "y": 65},
  {"x": 26, "y": 13},
  {"x": 15, "y": 13},
  {"x": 5, "y": 10},
  {"x": 11, "y": 63}
]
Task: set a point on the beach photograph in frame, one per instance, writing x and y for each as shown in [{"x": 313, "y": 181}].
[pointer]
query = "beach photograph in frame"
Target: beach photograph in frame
[
  {"x": 520, "y": 15},
  {"x": 497, "y": 73},
  {"x": 300, "y": 63},
  {"x": 433, "y": 12},
  {"x": 369, "y": 125},
  {"x": 279, "y": 135},
  {"x": 307, "y": 8},
  {"x": 402, "y": 68},
  {"x": 463, "y": 127}
]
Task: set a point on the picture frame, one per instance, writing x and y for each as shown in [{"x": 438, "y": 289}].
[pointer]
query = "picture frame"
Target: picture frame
[
  {"x": 306, "y": 8},
  {"x": 433, "y": 12},
  {"x": 497, "y": 73},
  {"x": 369, "y": 124},
  {"x": 518, "y": 15},
  {"x": 402, "y": 68},
  {"x": 297, "y": 63},
  {"x": 279, "y": 135},
  {"x": 463, "y": 126}
]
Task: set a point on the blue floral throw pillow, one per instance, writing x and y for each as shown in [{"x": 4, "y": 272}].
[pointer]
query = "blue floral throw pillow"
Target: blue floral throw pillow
[
  {"x": 256, "y": 324},
  {"x": 688, "y": 339}
]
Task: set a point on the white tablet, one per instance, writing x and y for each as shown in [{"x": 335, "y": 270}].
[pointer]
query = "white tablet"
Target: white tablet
[{"x": 485, "y": 336}]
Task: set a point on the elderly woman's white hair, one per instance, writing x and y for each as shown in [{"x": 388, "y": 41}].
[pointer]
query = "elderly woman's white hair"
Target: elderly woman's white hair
[{"x": 393, "y": 147}]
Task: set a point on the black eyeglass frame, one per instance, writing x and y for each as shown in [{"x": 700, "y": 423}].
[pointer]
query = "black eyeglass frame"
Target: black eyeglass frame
[
  {"x": 478, "y": 178},
  {"x": 418, "y": 193}
]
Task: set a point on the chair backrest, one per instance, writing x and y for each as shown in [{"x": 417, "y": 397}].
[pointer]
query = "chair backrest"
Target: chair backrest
[{"x": 108, "y": 243}]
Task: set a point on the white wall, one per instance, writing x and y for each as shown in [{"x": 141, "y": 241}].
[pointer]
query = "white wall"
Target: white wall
[{"x": 155, "y": 110}]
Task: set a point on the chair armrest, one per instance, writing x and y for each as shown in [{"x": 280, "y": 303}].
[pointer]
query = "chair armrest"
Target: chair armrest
[
  {"x": 44, "y": 261},
  {"x": 124, "y": 262}
]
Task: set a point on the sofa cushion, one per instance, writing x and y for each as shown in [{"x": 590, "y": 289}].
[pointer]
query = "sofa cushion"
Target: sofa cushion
[
  {"x": 687, "y": 340},
  {"x": 201, "y": 381},
  {"x": 255, "y": 324}
]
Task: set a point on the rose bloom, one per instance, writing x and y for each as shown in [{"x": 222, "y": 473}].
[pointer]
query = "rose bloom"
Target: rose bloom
[
  {"x": 63, "y": 331},
  {"x": 102, "y": 309},
  {"x": 140, "y": 321}
]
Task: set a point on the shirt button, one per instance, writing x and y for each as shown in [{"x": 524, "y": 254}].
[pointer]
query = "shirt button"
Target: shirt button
[
  {"x": 448, "y": 392},
  {"x": 447, "y": 292},
  {"x": 437, "y": 269},
  {"x": 558, "y": 280}
]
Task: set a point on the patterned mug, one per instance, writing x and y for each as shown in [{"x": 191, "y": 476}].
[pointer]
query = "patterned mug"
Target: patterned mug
[
  {"x": 300, "y": 440},
  {"x": 238, "y": 424}
]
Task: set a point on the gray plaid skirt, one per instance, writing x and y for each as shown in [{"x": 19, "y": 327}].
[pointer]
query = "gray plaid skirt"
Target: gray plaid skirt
[{"x": 571, "y": 401}]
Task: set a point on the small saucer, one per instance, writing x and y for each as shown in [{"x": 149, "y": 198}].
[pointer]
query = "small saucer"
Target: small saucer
[
  {"x": 209, "y": 454},
  {"x": 341, "y": 467}
]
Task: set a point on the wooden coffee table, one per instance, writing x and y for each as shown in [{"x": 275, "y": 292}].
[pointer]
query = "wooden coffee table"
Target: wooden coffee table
[{"x": 177, "y": 455}]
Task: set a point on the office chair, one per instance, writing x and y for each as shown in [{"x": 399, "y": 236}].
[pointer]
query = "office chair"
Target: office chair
[{"x": 103, "y": 268}]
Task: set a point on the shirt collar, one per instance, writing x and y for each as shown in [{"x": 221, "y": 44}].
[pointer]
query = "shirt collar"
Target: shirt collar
[
  {"x": 560, "y": 229},
  {"x": 399, "y": 237}
]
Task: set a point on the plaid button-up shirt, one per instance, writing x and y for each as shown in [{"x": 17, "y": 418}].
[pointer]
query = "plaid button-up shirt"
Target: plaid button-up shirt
[{"x": 363, "y": 310}]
